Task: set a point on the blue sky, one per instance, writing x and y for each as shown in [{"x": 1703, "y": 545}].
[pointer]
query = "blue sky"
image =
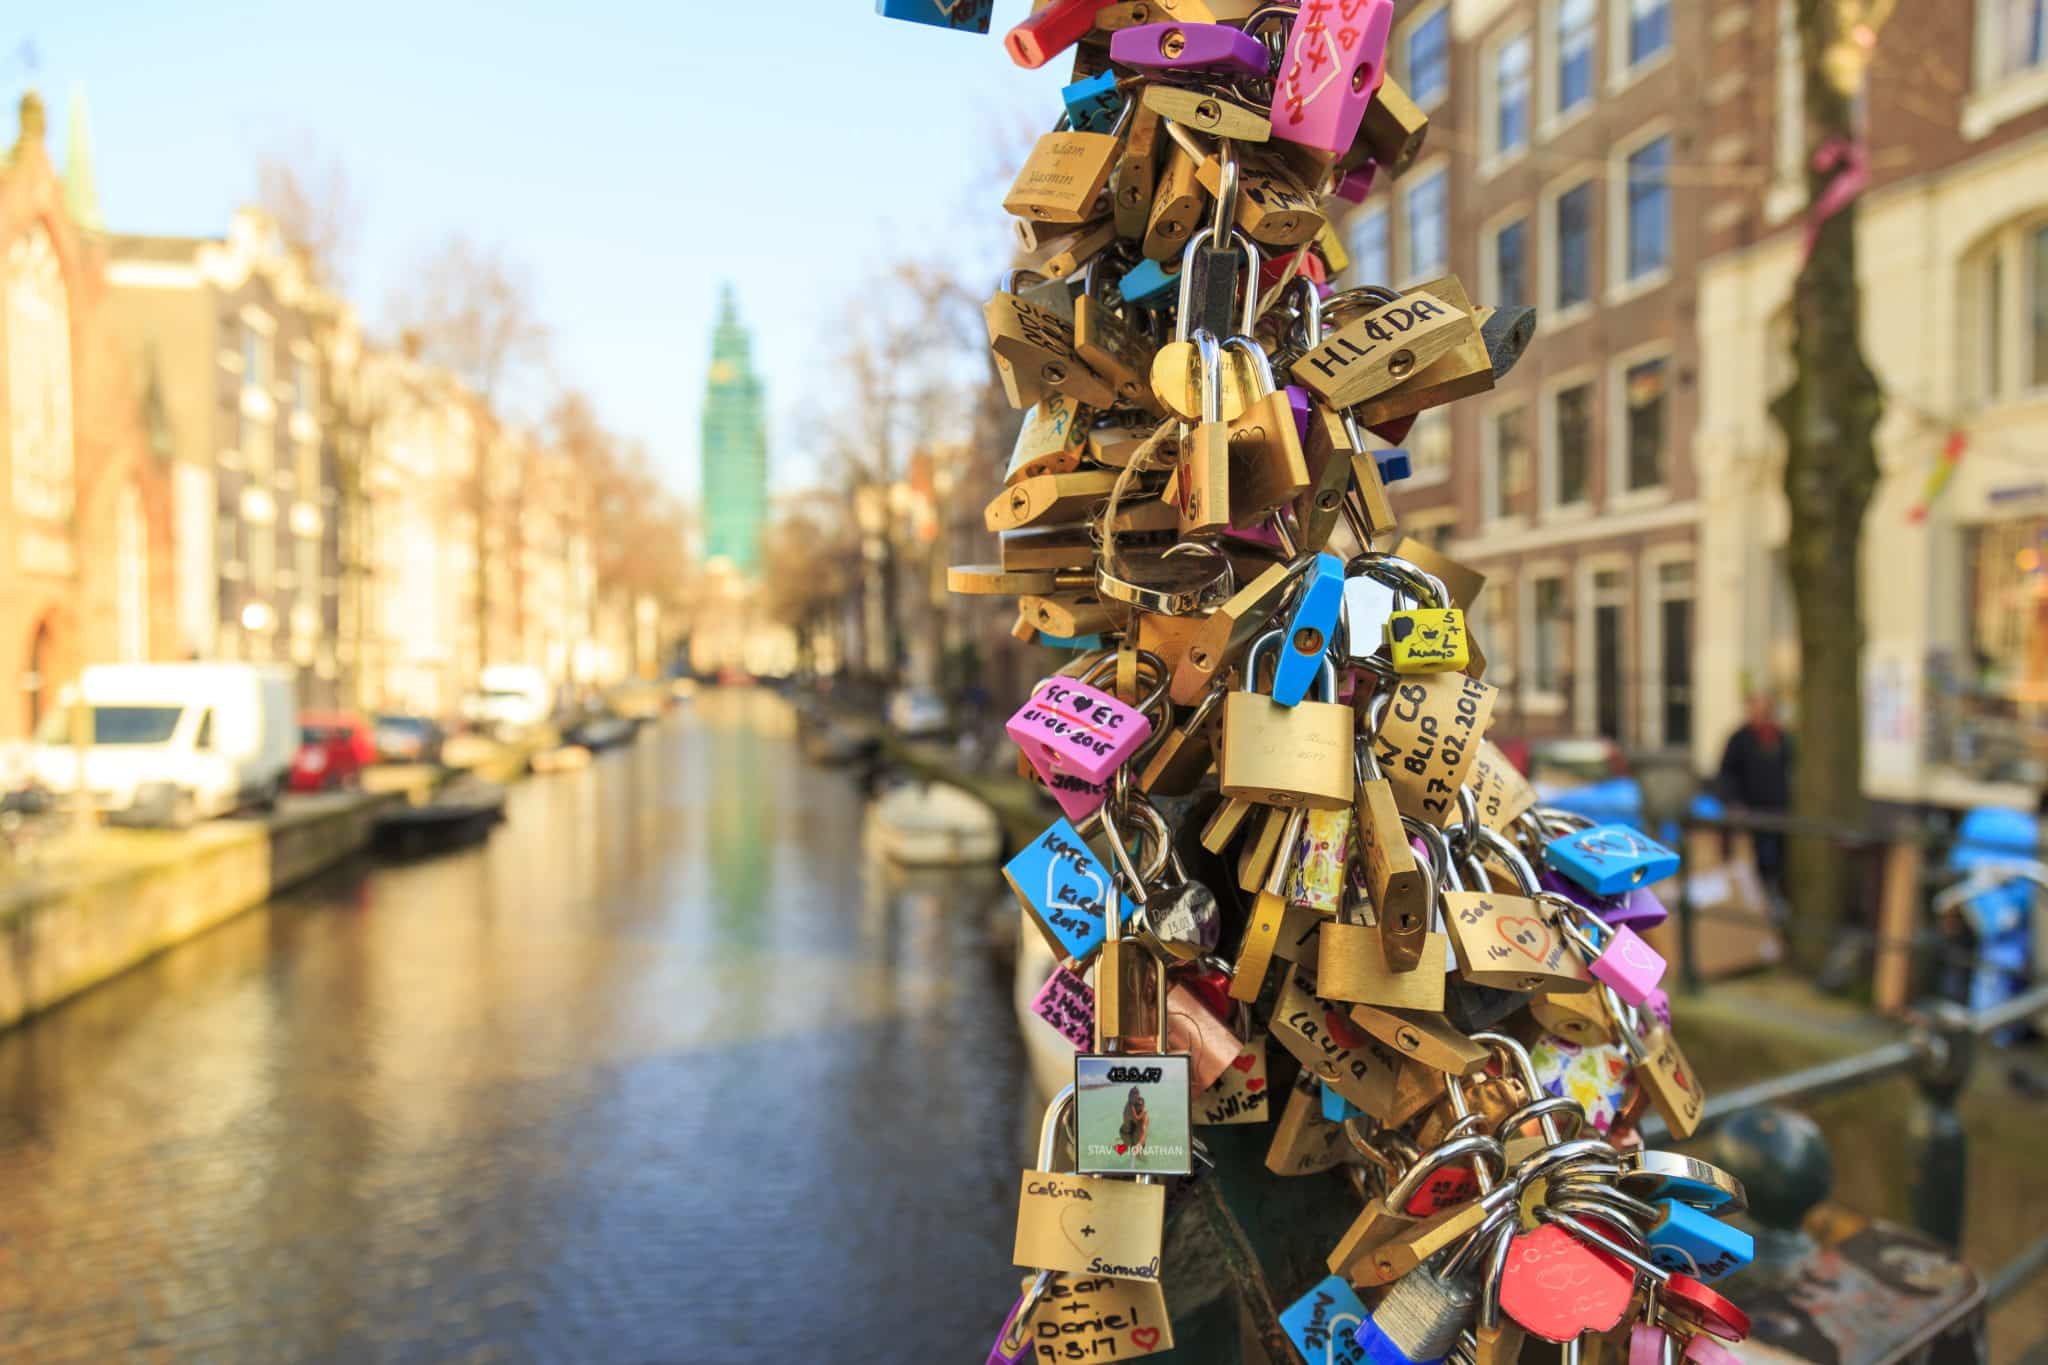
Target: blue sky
[{"x": 633, "y": 153}]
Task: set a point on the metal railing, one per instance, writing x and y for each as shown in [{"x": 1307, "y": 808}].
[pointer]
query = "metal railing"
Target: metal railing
[{"x": 1939, "y": 1052}]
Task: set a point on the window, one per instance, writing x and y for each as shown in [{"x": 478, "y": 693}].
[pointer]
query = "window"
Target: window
[
  {"x": 1496, "y": 624},
  {"x": 1425, "y": 206},
  {"x": 1429, "y": 446},
  {"x": 1371, "y": 260},
  {"x": 1648, "y": 209},
  {"x": 1574, "y": 237},
  {"x": 302, "y": 386},
  {"x": 1511, "y": 264},
  {"x": 1511, "y": 95},
  {"x": 38, "y": 377},
  {"x": 259, "y": 448},
  {"x": 1643, "y": 428},
  {"x": 2013, "y": 38},
  {"x": 1551, "y": 620},
  {"x": 255, "y": 358},
  {"x": 1571, "y": 444},
  {"x": 1507, "y": 473},
  {"x": 1575, "y": 23},
  {"x": 2006, "y": 323},
  {"x": 1429, "y": 57},
  {"x": 1649, "y": 29}
]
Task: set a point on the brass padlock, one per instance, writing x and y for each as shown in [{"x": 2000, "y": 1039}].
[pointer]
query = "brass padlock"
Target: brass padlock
[
  {"x": 1287, "y": 756},
  {"x": 1403, "y": 893},
  {"x": 1371, "y": 354},
  {"x": 1136, "y": 178},
  {"x": 1081, "y": 1223},
  {"x": 1064, "y": 178},
  {"x": 1210, "y": 109},
  {"x": 1203, "y": 478},
  {"x": 1393, "y": 130},
  {"x": 1268, "y": 469},
  {"x": 1059, "y": 257},
  {"x": 1177, "y": 203},
  {"x": 1110, "y": 344},
  {"x": 1466, "y": 369},
  {"x": 1051, "y": 441},
  {"x": 1182, "y": 759},
  {"x": 1272, "y": 206},
  {"x": 1230, "y": 629},
  {"x": 1034, "y": 351},
  {"x": 1304, "y": 1142},
  {"x": 1351, "y": 966},
  {"x": 1047, "y": 499}
]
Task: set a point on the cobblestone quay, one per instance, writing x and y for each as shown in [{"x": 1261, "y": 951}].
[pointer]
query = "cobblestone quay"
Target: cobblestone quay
[{"x": 666, "y": 1073}]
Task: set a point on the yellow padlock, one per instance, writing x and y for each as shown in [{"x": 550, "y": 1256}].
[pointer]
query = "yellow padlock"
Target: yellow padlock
[{"x": 1428, "y": 640}]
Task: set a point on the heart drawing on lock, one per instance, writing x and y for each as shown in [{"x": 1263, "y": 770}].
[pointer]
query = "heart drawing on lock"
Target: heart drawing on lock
[
  {"x": 1244, "y": 1061},
  {"x": 1145, "y": 1338},
  {"x": 1077, "y": 1220},
  {"x": 1521, "y": 931},
  {"x": 1255, "y": 1084},
  {"x": 1052, "y": 882}
]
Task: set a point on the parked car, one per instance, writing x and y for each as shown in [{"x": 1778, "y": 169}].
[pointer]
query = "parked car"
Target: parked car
[
  {"x": 334, "y": 748},
  {"x": 407, "y": 739},
  {"x": 166, "y": 744},
  {"x": 510, "y": 699}
]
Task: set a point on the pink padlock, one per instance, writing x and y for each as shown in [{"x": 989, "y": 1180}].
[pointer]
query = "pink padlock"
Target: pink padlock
[
  {"x": 1704, "y": 1350},
  {"x": 1659, "y": 1004},
  {"x": 1066, "y": 1002},
  {"x": 1073, "y": 729},
  {"x": 1336, "y": 57},
  {"x": 1615, "y": 954},
  {"x": 1077, "y": 796},
  {"x": 1070, "y": 727},
  {"x": 1646, "y": 1344}
]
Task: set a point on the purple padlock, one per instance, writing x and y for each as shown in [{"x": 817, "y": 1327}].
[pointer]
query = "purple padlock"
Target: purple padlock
[
  {"x": 1297, "y": 403},
  {"x": 1354, "y": 185},
  {"x": 1659, "y": 1004},
  {"x": 1018, "y": 1322},
  {"x": 1191, "y": 47},
  {"x": 1638, "y": 908},
  {"x": 1066, "y": 1002}
]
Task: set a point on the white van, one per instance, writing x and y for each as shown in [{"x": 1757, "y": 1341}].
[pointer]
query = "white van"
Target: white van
[
  {"x": 172, "y": 743},
  {"x": 510, "y": 699}
]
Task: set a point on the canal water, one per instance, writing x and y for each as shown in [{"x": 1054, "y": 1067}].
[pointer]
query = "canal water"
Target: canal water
[{"x": 667, "y": 1072}]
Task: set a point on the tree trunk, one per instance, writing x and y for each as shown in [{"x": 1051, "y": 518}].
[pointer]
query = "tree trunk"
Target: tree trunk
[{"x": 1828, "y": 415}]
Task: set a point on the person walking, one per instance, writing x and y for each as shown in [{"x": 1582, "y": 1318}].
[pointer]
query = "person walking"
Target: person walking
[{"x": 1756, "y": 775}]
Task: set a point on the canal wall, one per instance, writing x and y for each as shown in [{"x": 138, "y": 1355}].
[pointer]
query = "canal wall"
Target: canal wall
[{"x": 94, "y": 910}]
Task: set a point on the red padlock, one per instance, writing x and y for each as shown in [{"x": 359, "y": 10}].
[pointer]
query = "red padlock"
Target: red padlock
[{"x": 1051, "y": 31}]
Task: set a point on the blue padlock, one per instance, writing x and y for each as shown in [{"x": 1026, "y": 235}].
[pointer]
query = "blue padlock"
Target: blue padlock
[
  {"x": 1610, "y": 859},
  {"x": 1150, "y": 285},
  {"x": 1309, "y": 630},
  {"x": 1322, "y": 1323},
  {"x": 970, "y": 16},
  {"x": 1336, "y": 1108},
  {"x": 1066, "y": 890},
  {"x": 1093, "y": 103},
  {"x": 1087, "y": 642},
  {"x": 1377, "y": 1348},
  {"x": 1686, "y": 1241},
  {"x": 1394, "y": 465}
]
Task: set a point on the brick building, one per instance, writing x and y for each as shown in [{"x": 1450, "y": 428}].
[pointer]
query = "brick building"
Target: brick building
[
  {"x": 85, "y": 524},
  {"x": 1561, "y": 171},
  {"x": 242, "y": 345},
  {"x": 1953, "y": 241}
]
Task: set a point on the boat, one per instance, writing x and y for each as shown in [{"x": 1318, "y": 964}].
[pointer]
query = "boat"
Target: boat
[
  {"x": 931, "y": 824},
  {"x": 461, "y": 813}
]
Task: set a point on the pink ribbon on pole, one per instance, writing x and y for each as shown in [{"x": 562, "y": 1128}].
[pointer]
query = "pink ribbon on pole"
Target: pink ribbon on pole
[{"x": 1850, "y": 162}]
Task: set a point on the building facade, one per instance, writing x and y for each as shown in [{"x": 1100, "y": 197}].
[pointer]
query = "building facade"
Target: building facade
[
  {"x": 85, "y": 521},
  {"x": 735, "y": 448},
  {"x": 1953, "y": 242},
  {"x": 1561, "y": 172},
  {"x": 243, "y": 350}
]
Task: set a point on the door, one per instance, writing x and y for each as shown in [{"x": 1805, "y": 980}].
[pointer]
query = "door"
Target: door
[
  {"x": 1676, "y": 624},
  {"x": 1607, "y": 670}
]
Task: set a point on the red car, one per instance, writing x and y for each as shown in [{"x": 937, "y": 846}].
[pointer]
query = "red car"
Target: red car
[{"x": 334, "y": 748}]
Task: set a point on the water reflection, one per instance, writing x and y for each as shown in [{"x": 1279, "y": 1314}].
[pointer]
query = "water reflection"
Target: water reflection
[{"x": 663, "y": 1072}]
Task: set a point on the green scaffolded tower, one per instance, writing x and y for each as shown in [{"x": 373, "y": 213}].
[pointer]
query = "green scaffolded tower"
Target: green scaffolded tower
[{"x": 735, "y": 448}]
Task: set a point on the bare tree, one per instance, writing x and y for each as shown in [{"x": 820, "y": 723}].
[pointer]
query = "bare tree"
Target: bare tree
[
  {"x": 308, "y": 193},
  {"x": 1829, "y": 415},
  {"x": 471, "y": 309}
]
